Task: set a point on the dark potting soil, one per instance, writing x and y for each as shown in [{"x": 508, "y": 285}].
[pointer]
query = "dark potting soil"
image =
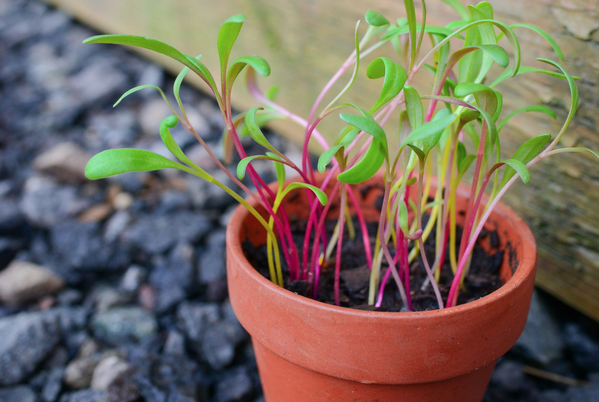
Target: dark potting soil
[{"x": 482, "y": 279}]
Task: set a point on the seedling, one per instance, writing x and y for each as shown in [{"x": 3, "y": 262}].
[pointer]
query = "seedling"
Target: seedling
[{"x": 456, "y": 127}]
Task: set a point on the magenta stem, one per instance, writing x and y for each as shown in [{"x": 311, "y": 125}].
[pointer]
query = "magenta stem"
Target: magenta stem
[
  {"x": 343, "y": 202},
  {"x": 362, "y": 223}
]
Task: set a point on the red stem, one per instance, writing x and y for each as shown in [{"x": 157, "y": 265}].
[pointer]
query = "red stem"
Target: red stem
[{"x": 343, "y": 201}]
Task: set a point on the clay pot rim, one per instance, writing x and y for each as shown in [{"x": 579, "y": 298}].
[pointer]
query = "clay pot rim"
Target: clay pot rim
[{"x": 526, "y": 268}]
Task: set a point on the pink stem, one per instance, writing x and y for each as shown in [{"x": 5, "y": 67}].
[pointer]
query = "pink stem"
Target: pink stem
[
  {"x": 470, "y": 216},
  {"x": 384, "y": 245},
  {"x": 315, "y": 247},
  {"x": 471, "y": 241},
  {"x": 313, "y": 219},
  {"x": 406, "y": 264},
  {"x": 343, "y": 201},
  {"x": 362, "y": 222}
]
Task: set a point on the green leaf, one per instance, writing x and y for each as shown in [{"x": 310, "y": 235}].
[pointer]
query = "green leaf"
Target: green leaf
[
  {"x": 545, "y": 35},
  {"x": 279, "y": 170},
  {"x": 327, "y": 156},
  {"x": 459, "y": 7},
  {"x": 367, "y": 124},
  {"x": 349, "y": 137},
  {"x": 489, "y": 100},
  {"x": 257, "y": 63},
  {"x": 179, "y": 81},
  {"x": 322, "y": 197},
  {"x": 419, "y": 152},
  {"x": 411, "y": 14},
  {"x": 488, "y": 118},
  {"x": 532, "y": 108},
  {"x": 486, "y": 8},
  {"x": 272, "y": 92},
  {"x": 139, "y": 88},
  {"x": 432, "y": 128},
  {"x": 395, "y": 78},
  {"x": 262, "y": 119},
  {"x": 404, "y": 225},
  {"x": 430, "y": 142},
  {"x": 579, "y": 150},
  {"x": 573, "y": 94},
  {"x": 171, "y": 145},
  {"x": 367, "y": 166},
  {"x": 520, "y": 168},
  {"x": 414, "y": 107},
  {"x": 243, "y": 164},
  {"x": 504, "y": 28},
  {"x": 227, "y": 36},
  {"x": 116, "y": 161},
  {"x": 465, "y": 164},
  {"x": 254, "y": 129},
  {"x": 430, "y": 29},
  {"x": 159, "y": 47},
  {"x": 525, "y": 153},
  {"x": 376, "y": 19},
  {"x": 467, "y": 88},
  {"x": 525, "y": 69}
]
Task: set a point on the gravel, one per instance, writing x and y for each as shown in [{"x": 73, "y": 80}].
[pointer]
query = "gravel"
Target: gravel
[{"x": 124, "y": 285}]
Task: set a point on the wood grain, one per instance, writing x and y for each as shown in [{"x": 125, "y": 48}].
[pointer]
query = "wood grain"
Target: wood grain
[{"x": 306, "y": 41}]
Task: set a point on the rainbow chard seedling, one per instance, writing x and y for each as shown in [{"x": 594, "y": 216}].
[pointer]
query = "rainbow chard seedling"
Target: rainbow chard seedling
[{"x": 450, "y": 133}]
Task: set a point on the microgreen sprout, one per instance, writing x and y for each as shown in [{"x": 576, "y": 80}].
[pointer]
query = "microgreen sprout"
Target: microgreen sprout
[{"x": 451, "y": 133}]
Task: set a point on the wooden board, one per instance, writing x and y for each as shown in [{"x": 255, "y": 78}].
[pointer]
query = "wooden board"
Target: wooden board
[{"x": 306, "y": 41}]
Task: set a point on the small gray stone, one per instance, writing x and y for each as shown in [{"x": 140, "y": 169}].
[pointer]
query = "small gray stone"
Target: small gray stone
[
  {"x": 148, "y": 390},
  {"x": 105, "y": 297},
  {"x": 116, "y": 225},
  {"x": 174, "y": 278},
  {"x": 107, "y": 371},
  {"x": 156, "y": 234},
  {"x": 65, "y": 161},
  {"x": 12, "y": 219},
  {"x": 53, "y": 385},
  {"x": 45, "y": 204},
  {"x": 194, "y": 318},
  {"x": 87, "y": 395},
  {"x": 123, "y": 324},
  {"x": 79, "y": 372},
  {"x": 95, "y": 83},
  {"x": 236, "y": 386},
  {"x": 83, "y": 247},
  {"x": 9, "y": 247},
  {"x": 151, "y": 116},
  {"x": 542, "y": 340},
  {"x": 509, "y": 376},
  {"x": 212, "y": 260},
  {"x": 23, "y": 282},
  {"x": 151, "y": 75},
  {"x": 175, "y": 344},
  {"x": 123, "y": 388},
  {"x": 583, "y": 348},
  {"x": 134, "y": 277},
  {"x": 27, "y": 338},
  {"x": 17, "y": 394},
  {"x": 114, "y": 128},
  {"x": 588, "y": 393}
]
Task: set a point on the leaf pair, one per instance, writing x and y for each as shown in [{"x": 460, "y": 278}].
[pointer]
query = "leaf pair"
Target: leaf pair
[
  {"x": 116, "y": 161},
  {"x": 394, "y": 81}
]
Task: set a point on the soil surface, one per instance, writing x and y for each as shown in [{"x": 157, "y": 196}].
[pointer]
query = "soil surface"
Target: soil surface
[{"x": 483, "y": 277}]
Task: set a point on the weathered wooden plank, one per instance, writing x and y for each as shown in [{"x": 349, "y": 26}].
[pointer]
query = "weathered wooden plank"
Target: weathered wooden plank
[{"x": 307, "y": 41}]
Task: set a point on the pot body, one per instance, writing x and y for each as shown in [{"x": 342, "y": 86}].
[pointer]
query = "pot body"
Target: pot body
[{"x": 309, "y": 351}]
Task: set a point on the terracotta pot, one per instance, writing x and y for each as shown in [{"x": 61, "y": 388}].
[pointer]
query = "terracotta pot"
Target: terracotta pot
[{"x": 309, "y": 351}]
